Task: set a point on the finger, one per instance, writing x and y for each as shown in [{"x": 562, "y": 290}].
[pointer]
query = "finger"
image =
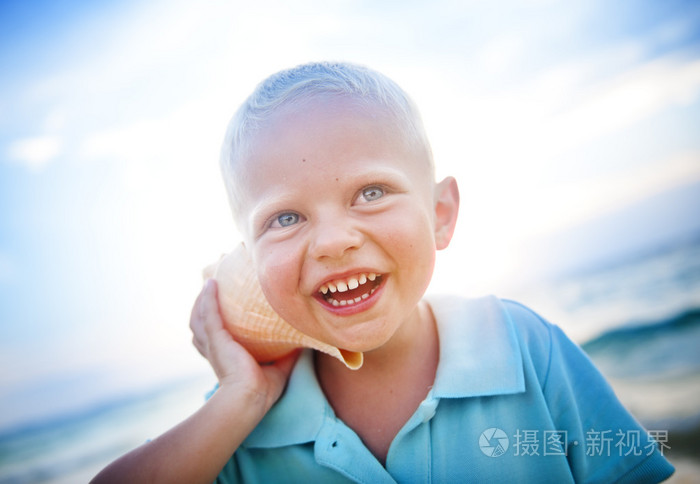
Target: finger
[
  {"x": 195, "y": 314},
  {"x": 204, "y": 316},
  {"x": 205, "y": 320},
  {"x": 210, "y": 332},
  {"x": 198, "y": 345},
  {"x": 278, "y": 373},
  {"x": 209, "y": 308},
  {"x": 196, "y": 325},
  {"x": 286, "y": 363}
]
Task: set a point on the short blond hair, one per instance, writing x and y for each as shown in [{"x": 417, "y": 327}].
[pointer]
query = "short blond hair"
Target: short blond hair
[{"x": 307, "y": 82}]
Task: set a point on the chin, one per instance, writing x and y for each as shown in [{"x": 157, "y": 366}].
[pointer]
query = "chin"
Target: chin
[{"x": 365, "y": 339}]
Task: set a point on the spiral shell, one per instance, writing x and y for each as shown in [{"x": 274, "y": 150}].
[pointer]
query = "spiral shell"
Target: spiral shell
[{"x": 251, "y": 320}]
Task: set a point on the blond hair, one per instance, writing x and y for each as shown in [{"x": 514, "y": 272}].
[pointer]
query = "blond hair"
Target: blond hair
[{"x": 310, "y": 81}]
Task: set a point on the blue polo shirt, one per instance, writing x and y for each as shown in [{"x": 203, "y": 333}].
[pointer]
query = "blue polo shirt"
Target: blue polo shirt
[{"x": 514, "y": 400}]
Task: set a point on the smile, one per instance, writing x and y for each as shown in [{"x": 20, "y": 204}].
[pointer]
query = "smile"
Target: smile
[{"x": 346, "y": 292}]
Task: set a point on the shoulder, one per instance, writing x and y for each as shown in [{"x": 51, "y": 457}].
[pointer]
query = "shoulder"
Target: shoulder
[
  {"x": 499, "y": 338},
  {"x": 536, "y": 336},
  {"x": 523, "y": 313},
  {"x": 535, "y": 331},
  {"x": 490, "y": 310},
  {"x": 498, "y": 326},
  {"x": 482, "y": 317},
  {"x": 554, "y": 355}
]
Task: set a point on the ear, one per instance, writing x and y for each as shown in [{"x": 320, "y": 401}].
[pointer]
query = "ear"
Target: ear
[{"x": 446, "y": 209}]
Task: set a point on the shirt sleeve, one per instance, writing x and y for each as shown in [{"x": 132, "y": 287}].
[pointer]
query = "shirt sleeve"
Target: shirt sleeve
[{"x": 605, "y": 443}]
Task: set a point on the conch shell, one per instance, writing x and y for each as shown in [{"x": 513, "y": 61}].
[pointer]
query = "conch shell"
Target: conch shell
[{"x": 251, "y": 320}]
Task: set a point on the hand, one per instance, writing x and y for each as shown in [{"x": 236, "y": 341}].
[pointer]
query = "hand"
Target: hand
[{"x": 233, "y": 365}]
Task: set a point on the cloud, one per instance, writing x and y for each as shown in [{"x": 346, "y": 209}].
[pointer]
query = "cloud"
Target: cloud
[
  {"x": 630, "y": 98},
  {"x": 35, "y": 152},
  {"x": 564, "y": 112},
  {"x": 575, "y": 203}
]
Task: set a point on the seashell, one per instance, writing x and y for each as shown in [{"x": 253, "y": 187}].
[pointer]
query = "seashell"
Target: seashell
[{"x": 251, "y": 320}]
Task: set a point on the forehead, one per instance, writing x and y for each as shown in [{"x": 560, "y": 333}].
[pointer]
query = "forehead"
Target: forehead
[
  {"x": 321, "y": 140},
  {"x": 306, "y": 125}
]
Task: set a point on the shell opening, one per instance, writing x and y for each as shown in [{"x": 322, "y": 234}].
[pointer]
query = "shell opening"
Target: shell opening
[{"x": 352, "y": 359}]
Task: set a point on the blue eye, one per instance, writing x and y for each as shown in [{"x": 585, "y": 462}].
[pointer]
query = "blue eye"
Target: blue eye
[
  {"x": 372, "y": 193},
  {"x": 287, "y": 219}
]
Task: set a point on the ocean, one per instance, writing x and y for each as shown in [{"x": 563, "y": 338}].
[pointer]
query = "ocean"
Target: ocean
[{"x": 639, "y": 321}]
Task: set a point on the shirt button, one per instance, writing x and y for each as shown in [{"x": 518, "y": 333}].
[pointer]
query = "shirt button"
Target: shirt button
[{"x": 428, "y": 409}]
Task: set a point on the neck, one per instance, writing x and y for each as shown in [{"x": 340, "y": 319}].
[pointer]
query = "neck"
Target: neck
[
  {"x": 377, "y": 400},
  {"x": 414, "y": 345}
]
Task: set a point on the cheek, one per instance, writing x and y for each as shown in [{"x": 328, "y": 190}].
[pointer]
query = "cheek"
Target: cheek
[
  {"x": 411, "y": 233},
  {"x": 414, "y": 244},
  {"x": 278, "y": 278}
]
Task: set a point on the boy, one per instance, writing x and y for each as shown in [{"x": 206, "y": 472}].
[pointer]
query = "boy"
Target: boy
[{"x": 330, "y": 178}]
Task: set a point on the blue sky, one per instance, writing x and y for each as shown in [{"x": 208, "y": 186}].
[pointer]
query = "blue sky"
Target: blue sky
[{"x": 550, "y": 114}]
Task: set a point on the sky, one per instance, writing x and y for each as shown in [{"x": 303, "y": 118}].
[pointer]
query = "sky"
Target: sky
[{"x": 551, "y": 114}]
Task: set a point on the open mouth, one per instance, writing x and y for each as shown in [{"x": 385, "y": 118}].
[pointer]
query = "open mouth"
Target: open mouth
[{"x": 352, "y": 290}]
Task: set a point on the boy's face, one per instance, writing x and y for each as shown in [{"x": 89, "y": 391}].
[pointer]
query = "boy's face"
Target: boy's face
[{"x": 334, "y": 199}]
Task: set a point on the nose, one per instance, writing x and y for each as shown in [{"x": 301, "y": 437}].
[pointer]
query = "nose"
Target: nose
[{"x": 333, "y": 239}]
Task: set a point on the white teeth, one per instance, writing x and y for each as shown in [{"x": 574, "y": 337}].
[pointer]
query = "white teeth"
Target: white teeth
[
  {"x": 343, "y": 286},
  {"x": 349, "y": 302},
  {"x": 352, "y": 283}
]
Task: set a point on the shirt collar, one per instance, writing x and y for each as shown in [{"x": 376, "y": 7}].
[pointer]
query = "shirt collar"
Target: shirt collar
[
  {"x": 479, "y": 356},
  {"x": 479, "y": 350}
]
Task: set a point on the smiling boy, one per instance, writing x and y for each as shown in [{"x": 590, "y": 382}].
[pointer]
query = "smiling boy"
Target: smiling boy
[
  {"x": 333, "y": 192},
  {"x": 330, "y": 178}
]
